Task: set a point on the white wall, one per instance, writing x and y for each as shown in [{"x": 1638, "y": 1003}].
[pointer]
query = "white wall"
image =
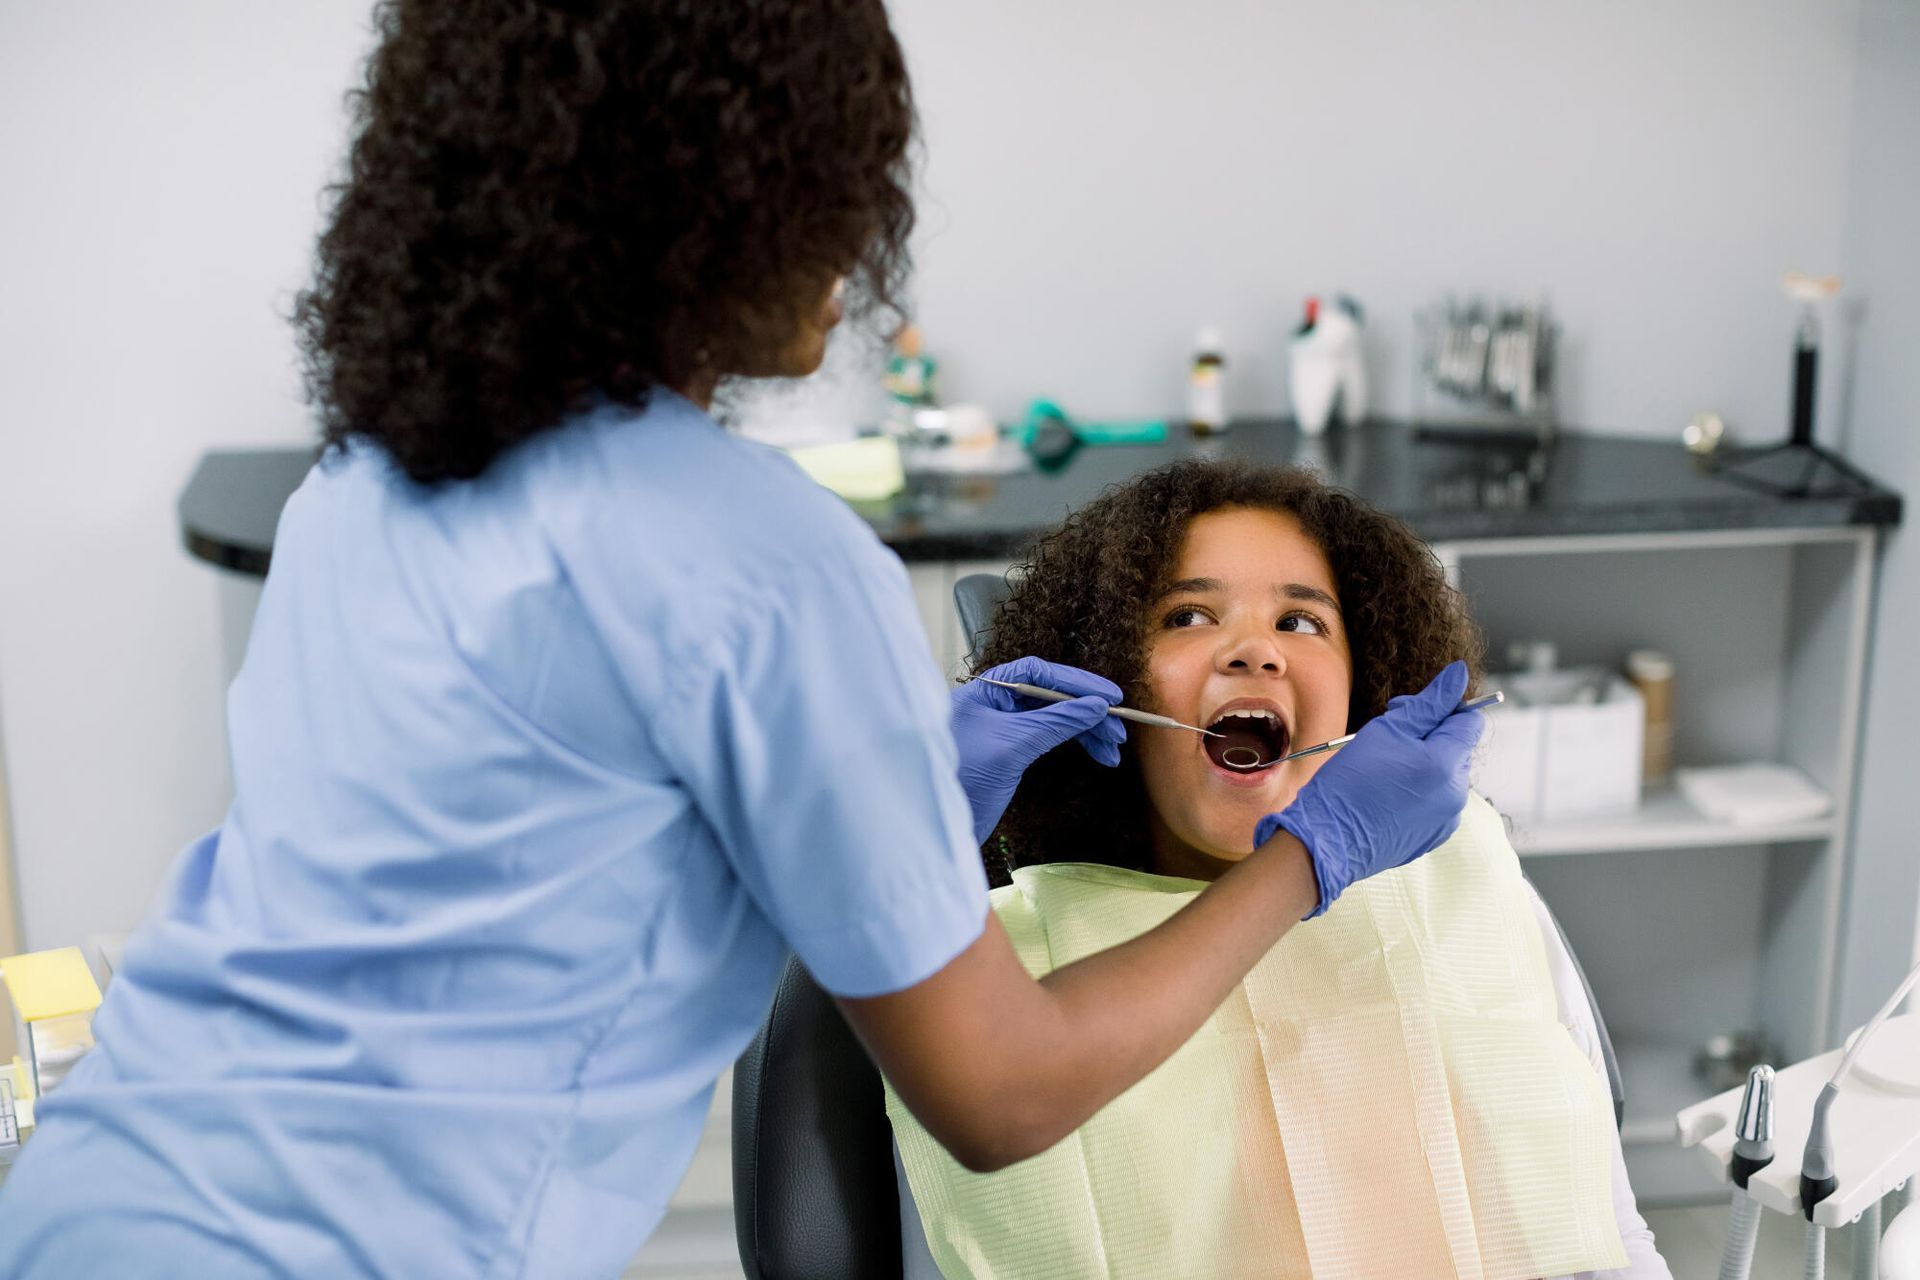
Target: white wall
[
  {"x": 1883, "y": 265},
  {"x": 161, "y": 165},
  {"x": 1105, "y": 177}
]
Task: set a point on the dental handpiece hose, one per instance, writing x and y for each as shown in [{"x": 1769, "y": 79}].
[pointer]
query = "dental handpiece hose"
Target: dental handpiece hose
[
  {"x": 1817, "y": 1177},
  {"x": 1752, "y": 1152},
  {"x": 1817, "y": 1180}
]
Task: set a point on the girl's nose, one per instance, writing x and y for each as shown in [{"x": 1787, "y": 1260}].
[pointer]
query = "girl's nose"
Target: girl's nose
[{"x": 1253, "y": 649}]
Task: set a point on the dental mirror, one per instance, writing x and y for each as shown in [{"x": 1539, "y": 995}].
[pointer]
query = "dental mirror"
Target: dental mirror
[{"x": 1249, "y": 758}]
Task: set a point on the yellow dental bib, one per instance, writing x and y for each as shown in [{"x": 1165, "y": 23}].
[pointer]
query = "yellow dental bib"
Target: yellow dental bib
[{"x": 1389, "y": 1093}]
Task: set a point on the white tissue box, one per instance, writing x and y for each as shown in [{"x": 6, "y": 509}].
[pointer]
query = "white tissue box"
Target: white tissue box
[{"x": 1569, "y": 760}]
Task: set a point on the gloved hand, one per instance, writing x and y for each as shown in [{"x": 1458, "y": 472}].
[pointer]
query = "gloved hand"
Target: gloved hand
[
  {"x": 1390, "y": 795},
  {"x": 1000, "y": 733}
]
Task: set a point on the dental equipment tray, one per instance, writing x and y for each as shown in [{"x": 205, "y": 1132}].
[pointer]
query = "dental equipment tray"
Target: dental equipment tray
[{"x": 1876, "y": 1126}]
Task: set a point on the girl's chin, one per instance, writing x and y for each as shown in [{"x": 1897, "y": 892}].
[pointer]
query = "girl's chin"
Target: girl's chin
[{"x": 1226, "y": 831}]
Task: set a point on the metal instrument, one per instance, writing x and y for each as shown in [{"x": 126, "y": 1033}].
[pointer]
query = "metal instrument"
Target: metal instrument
[
  {"x": 1167, "y": 722},
  {"x": 1124, "y": 713},
  {"x": 1476, "y": 704}
]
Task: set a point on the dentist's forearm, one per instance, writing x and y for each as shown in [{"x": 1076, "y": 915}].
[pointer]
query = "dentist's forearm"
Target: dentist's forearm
[
  {"x": 1124, "y": 1011},
  {"x": 999, "y": 1067}
]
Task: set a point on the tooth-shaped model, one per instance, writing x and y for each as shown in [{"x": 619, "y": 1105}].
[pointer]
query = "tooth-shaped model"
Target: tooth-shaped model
[{"x": 1325, "y": 367}]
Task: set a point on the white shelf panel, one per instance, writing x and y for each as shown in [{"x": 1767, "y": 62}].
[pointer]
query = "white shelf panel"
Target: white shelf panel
[{"x": 1663, "y": 821}]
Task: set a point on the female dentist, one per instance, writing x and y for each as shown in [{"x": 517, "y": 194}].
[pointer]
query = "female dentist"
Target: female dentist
[{"x": 567, "y": 714}]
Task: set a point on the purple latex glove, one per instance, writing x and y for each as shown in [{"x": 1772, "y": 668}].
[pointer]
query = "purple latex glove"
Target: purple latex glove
[
  {"x": 1392, "y": 794},
  {"x": 1000, "y": 733}
]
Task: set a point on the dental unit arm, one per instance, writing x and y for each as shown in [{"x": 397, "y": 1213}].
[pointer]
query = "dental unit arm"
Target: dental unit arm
[{"x": 1855, "y": 1145}]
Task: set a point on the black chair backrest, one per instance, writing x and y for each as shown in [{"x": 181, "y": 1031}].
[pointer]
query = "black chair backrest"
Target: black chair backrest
[
  {"x": 814, "y": 1196},
  {"x": 814, "y": 1190}
]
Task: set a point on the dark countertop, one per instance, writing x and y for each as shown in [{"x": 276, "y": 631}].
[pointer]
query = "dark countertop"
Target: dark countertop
[{"x": 1583, "y": 484}]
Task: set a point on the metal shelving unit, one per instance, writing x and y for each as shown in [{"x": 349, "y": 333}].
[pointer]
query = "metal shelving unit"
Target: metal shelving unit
[{"x": 1685, "y": 925}]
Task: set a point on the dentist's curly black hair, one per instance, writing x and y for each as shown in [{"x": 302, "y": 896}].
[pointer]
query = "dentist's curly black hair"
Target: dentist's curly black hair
[
  {"x": 549, "y": 200},
  {"x": 1086, "y": 599}
]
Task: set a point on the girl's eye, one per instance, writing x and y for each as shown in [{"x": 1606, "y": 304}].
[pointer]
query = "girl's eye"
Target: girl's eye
[
  {"x": 1304, "y": 623},
  {"x": 1187, "y": 616}
]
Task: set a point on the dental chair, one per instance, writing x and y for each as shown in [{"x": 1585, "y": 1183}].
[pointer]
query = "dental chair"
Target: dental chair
[{"x": 815, "y": 1196}]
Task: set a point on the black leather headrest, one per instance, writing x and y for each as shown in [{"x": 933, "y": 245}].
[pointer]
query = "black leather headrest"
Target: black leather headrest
[{"x": 977, "y": 597}]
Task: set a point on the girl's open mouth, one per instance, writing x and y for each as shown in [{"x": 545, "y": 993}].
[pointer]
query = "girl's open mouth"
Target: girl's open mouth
[{"x": 1250, "y": 740}]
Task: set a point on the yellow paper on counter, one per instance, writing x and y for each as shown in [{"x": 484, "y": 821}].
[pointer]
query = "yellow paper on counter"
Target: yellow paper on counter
[
  {"x": 866, "y": 470},
  {"x": 50, "y": 984},
  {"x": 1389, "y": 1093}
]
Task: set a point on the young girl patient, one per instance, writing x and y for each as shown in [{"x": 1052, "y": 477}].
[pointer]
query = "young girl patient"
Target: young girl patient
[{"x": 1281, "y": 613}]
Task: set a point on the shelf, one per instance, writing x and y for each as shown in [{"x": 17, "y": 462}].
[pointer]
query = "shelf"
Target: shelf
[
  {"x": 1664, "y": 821},
  {"x": 1658, "y": 1080},
  {"x": 1659, "y": 1083}
]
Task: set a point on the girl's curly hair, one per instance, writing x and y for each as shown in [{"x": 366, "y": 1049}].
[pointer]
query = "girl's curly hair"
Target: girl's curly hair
[
  {"x": 1086, "y": 600},
  {"x": 552, "y": 199}
]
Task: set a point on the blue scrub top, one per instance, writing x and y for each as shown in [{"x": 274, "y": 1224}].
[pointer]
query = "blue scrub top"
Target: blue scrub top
[{"x": 537, "y": 779}]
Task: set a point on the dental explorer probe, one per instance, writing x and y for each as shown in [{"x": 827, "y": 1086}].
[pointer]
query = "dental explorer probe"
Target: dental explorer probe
[
  {"x": 1124, "y": 713},
  {"x": 1752, "y": 1152}
]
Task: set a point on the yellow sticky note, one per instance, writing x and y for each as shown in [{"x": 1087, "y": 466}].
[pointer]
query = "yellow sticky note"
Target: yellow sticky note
[
  {"x": 50, "y": 984},
  {"x": 858, "y": 470}
]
